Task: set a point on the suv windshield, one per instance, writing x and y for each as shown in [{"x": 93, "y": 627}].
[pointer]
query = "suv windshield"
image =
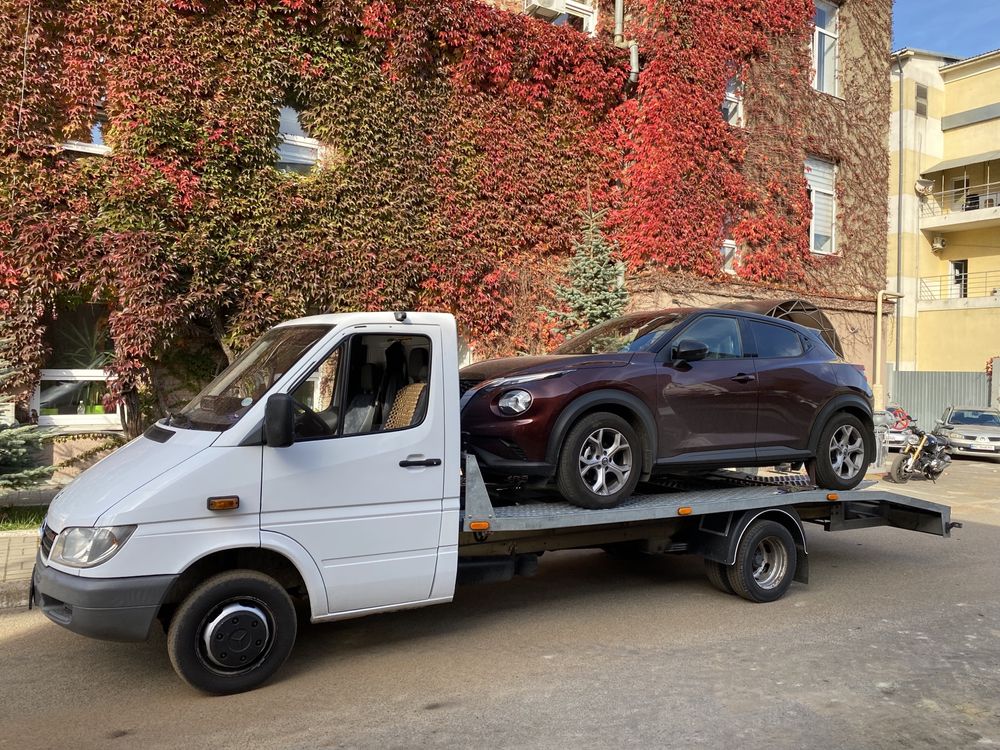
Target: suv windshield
[
  {"x": 641, "y": 332},
  {"x": 972, "y": 417},
  {"x": 245, "y": 381}
]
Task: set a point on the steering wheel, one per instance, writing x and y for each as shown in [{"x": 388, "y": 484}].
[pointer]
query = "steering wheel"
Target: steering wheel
[{"x": 307, "y": 422}]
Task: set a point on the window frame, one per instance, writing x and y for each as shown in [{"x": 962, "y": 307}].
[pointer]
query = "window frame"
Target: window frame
[
  {"x": 346, "y": 343},
  {"x": 833, "y": 206},
  {"x": 834, "y": 34},
  {"x": 730, "y": 254},
  {"x": 750, "y": 323},
  {"x": 667, "y": 352},
  {"x": 921, "y": 100},
  {"x": 110, "y": 420},
  {"x": 733, "y": 95},
  {"x": 296, "y": 141},
  {"x": 586, "y": 11}
]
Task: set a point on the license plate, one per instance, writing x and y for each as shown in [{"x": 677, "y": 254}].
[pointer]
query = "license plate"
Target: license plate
[{"x": 981, "y": 447}]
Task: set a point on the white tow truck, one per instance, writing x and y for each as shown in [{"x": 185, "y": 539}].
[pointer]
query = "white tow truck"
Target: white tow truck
[{"x": 303, "y": 481}]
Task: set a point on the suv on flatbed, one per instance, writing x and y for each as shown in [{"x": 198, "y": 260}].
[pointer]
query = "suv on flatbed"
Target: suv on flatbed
[{"x": 671, "y": 391}]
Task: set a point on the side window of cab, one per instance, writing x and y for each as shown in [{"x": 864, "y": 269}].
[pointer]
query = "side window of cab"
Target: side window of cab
[{"x": 370, "y": 383}]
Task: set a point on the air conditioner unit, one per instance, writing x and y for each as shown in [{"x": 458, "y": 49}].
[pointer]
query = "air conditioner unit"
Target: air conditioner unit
[
  {"x": 939, "y": 243},
  {"x": 545, "y": 8}
]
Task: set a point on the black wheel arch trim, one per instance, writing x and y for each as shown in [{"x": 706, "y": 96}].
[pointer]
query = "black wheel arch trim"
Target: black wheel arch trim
[
  {"x": 839, "y": 403},
  {"x": 588, "y": 402}
]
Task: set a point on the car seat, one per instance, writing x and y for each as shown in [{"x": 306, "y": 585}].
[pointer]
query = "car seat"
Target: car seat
[
  {"x": 411, "y": 402},
  {"x": 360, "y": 413},
  {"x": 393, "y": 379}
]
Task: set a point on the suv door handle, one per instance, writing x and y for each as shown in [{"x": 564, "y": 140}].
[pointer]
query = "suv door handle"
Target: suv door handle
[
  {"x": 407, "y": 463},
  {"x": 744, "y": 378}
]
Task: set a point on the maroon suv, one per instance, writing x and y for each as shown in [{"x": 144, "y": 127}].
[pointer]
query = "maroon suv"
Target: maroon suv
[{"x": 669, "y": 392}]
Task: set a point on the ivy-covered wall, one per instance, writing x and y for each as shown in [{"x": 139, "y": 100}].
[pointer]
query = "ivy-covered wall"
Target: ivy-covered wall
[{"x": 461, "y": 142}]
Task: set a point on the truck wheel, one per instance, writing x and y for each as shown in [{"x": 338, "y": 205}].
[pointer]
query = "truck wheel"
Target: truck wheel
[
  {"x": 765, "y": 562},
  {"x": 718, "y": 576},
  {"x": 232, "y": 632},
  {"x": 897, "y": 469},
  {"x": 842, "y": 455},
  {"x": 600, "y": 462}
]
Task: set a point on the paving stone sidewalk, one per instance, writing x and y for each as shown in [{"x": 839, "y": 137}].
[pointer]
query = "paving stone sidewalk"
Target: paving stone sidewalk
[{"x": 17, "y": 557}]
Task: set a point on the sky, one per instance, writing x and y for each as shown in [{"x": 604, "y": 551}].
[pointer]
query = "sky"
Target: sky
[{"x": 962, "y": 28}]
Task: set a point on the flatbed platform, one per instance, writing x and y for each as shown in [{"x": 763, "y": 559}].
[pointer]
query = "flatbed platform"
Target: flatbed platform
[{"x": 719, "y": 493}]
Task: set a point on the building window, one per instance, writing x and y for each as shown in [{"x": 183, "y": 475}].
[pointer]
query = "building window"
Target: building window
[
  {"x": 296, "y": 151},
  {"x": 921, "y": 105},
  {"x": 74, "y": 382},
  {"x": 960, "y": 279},
  {"x": 825, "y": 48},
  {"x": 821, "y": 177},
  {"x": 578, "y": 15},
  {"x": 729, "y": 251},
  {"x": 959, "y": 193},
  {"x": 94, "y": 143},
  {"x": 732, "y": 103}
]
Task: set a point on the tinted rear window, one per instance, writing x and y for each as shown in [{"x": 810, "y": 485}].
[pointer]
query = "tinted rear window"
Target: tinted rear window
[{"x": 774, "y": 342}]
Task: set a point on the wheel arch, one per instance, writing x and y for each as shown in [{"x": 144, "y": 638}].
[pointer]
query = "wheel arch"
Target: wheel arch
[
  {"x": 626, "y": 405},
  {"x": 851, "y": 403},
  {"x": 297, "y": 574},
  {"x": 722, "y": 547}
]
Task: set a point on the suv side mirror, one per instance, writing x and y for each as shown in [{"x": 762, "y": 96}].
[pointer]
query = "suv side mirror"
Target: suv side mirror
[
  {"x": 690, "y": 350},
  {"x": 279, "y": 421}
]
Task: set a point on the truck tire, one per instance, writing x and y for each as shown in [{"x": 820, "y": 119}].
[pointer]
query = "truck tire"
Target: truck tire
[
  {"x": 765, "y": 562},
  {"x": 718, "y": 576},
  {"x": 842, "y": 455},
  {"x": 897, "y": 469},
  {"x": 600, "y": 462},
  {"x": 232, "y": 632}
]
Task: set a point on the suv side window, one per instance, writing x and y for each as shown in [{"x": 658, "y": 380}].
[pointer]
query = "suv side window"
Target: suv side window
[
  {"x": 720, "y": 334},
  {"x": 775, "y": 342}
]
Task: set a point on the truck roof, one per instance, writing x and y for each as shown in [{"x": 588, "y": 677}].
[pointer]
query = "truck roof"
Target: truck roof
[{"x": 374, "y": 318}]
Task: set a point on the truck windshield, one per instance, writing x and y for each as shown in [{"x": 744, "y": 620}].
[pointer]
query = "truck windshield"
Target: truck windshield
[
  {"x": 641, "y": 332},
  {"x": 245, "y": 381}
]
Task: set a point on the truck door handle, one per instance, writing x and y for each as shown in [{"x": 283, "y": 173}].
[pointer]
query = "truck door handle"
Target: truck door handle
[
  {"x": 407, "y": 463},
  {"x": 744, "y": 378}
]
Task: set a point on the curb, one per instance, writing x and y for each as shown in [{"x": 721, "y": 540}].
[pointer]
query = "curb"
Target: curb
[{"x": 14, "y": 594}]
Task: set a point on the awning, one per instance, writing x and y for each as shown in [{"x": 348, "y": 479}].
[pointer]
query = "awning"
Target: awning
[{"x": 962, "y": 162}]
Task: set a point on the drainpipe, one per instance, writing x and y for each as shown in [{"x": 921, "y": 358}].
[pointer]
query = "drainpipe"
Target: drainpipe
[
  {"x": 878, "y": 389},
  {"x": 899, "y": 213},
  {"x": 632, "y": 46}
]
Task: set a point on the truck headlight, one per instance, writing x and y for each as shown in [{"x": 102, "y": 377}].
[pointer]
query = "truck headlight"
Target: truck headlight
[
  {"x": 85, "y": 547},
  {"x": 514, "y": 402}
]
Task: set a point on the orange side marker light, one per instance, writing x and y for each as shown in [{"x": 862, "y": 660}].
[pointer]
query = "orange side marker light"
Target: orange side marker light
[{"x": 480, "y": 526}]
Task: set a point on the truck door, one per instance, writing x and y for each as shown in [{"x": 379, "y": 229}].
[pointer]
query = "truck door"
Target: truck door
[{"x": 361, "y": 488}]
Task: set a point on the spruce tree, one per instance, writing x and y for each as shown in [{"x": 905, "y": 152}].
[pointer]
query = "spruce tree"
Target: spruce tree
[
  {"x": 595, "y": 290},
  {"x": 18, "y": 447}
]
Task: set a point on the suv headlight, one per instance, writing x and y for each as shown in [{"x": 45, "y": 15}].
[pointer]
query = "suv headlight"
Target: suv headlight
[
  {"x": 514, "y": 402},
  {"x": 85, "y": 547}
]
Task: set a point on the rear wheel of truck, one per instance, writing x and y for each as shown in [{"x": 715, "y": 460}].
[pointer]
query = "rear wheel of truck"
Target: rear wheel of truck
[
  {"x": 718, "y": 576},
  {"x": 600, "y": 463},
  {"x": 232, "y": 632},
  {"x": 765, "y": 562}
]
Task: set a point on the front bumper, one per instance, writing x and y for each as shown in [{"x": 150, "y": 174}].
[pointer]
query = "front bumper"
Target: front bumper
[
  {"x": 971, "y": 448},
  {"x": 112, "y": 609}
]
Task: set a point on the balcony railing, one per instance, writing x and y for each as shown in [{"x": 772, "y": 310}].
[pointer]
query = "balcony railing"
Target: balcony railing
[
  {"x": 972, "y": 198},
  {"x": 960, "y": 286}
]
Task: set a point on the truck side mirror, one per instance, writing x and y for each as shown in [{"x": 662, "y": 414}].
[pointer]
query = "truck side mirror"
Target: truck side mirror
[
  {"x": 690, "y": 350},
  {"x": 279, "y": 420}
]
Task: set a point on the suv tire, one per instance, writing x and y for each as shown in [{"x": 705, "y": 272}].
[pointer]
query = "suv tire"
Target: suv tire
[
  {"x": 600, "y": 461},
  {"x": 843, "y": 451}
]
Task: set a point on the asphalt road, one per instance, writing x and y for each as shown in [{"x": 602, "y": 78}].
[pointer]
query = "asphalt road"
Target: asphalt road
[{"x": 895, "y": 643}]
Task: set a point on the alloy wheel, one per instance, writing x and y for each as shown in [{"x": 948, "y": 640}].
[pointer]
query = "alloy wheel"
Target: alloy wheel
[
  {"x": 847, "y": 452},
  {"x": 605, "y": 461}
]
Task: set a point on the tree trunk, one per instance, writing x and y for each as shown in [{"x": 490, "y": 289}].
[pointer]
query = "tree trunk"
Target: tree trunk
[{"x": 131, "y": 414}]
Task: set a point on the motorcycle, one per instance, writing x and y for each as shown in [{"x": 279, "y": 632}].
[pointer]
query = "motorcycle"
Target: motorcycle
[{"x": 923, "y": 453}]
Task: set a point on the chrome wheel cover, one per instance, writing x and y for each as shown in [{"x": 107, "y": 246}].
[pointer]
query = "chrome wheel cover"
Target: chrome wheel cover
[{"x": 605, "y": 461}]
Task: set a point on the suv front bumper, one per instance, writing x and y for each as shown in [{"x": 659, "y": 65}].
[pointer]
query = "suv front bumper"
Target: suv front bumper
[{"x": 112, "y": 609}]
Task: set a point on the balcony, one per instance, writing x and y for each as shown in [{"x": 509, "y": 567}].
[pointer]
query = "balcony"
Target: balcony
[
  {"x": 972, "y": 207},
  {"x": 980, "y": 289}
]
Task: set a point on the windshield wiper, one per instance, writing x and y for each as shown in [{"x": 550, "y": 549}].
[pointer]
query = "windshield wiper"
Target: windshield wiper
[{"x": 176, "y": 418}]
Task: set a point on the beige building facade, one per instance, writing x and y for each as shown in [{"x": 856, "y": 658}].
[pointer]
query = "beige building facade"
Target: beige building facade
[{"x": 944, "y": 211}]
